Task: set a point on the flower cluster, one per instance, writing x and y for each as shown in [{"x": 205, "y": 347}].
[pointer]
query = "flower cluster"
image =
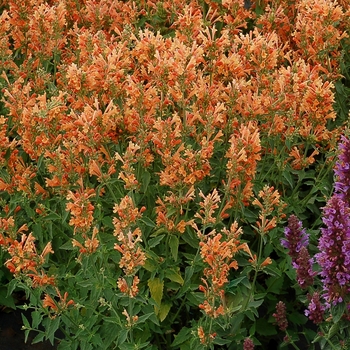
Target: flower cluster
[
  {"x": 334, "y": 243},
  {"x": 342, "y": 171},
  {"x": 315, "y": 310},
  {"x": 270, "y": 204},
  {"x": 281, "y": 316},
  {"x": 57, "y": 307},
  {"x": 217, "y": 251},
  {"x": 129, "y": 239},
  {"x": 248, "y": 344},
  {"x": 25, "y": 261},
  {"x": 296, "y": 241},
  {"x": 334, "y": 247}
]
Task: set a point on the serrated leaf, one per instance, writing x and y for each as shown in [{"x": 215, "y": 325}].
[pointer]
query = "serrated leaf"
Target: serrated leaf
[
  {"x": 153, "y": 242},
  {"x": 275, "y": 284},
  {"x": 164, "y": 310},
  {"x": 184, "y": 335},
  {"x": 6, "y": 300},
  {"x": 108, "y": 222},
  {"x": 288, "y": 176},
  {"x": 174, "y": 246},
  {"x": 67, "y": 246},
  {"x": 148, "y": 222},
  {"x": 52, "y": 328},
  {"x": 146, "y": 178},
  {"x": 272, "y": 270},
  {"x": 297, "y": 318},
  {"x": 11, "y": 287},
  {"x": 156, "y": 289},
  {"x": 143, "y": 318},
  {"x": 235, "y": 282},
  {"x": 174, "y": 276},
  {"x": 150, "y": 266},
  {"x": 337, "y": 312},
  {"x": 38, "y": 338},
  {"x": 36, "y": 318}
]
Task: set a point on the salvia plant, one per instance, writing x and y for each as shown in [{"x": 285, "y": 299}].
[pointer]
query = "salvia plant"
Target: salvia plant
[{"x": 176, "y": 174}]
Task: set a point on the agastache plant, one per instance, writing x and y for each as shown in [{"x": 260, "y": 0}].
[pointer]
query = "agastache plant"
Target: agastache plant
[{"x": 334, "y": 243}]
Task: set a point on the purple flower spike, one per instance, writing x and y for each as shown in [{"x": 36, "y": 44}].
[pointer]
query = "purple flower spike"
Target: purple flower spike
[
  {"x": 334, "y": 244},
  {"x": 315, "y": 309},
  {"x": 305, "y": 274},
  {"x": 281, "y": 316},
  {"x": 295, "y": 237},
  {"x": 342, "y": 171},
  {"x": 248, "y": 344}
]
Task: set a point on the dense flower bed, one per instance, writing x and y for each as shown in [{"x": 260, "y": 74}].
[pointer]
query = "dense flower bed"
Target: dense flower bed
[{"x": 167, "y": 172}]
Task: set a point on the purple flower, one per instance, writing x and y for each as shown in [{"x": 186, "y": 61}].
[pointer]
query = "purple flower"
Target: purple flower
[
  {"x": 280, "y": 316},
  {"x": 295, "y": 237},
  {"x": 334, "y": 247},
  {"x": 305, "y": 274},
  {"x": 342, "y": 171},
  {"x": 248, "y": 344},
  {"x": 297, "y": 240},
  {"x": 315, "y": 310}
]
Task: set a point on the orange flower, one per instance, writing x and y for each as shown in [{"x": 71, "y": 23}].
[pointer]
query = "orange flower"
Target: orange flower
[
  {"x": 243, "y": 154},
  {"x": 90, "y": 245},
  {"x": 132, "y": 255},
  {"x": 42, "y": 279},
  {"x": 217, "y": 251},
  {"x": 209, "y": 205},
  {"x": 57, "y": 307},
  {"x": 270, "y": 203},
  {"x": 81, "y": 209},
  {"x": 301, "y": 162},
  {"x": 124, "y": 287},
  {"x": 127, "y": 215}
]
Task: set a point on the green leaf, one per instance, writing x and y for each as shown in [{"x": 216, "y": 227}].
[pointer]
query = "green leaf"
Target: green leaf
[
  {"x": 108, "y": 222},
  {"x": 36, "y": 318},
  {"x": 275, "y": 284},
  {"x": 122, "y": 336},
  {"x": 50, "y": 217},
  {"x": 297, "y": 318},
  {"x": 52, "y": 328},
  {"x": 39, "y": 338},
  {"x": 143, "y": 318},
  {"x": 26, "y": 334},
  {"x": 272, "y": 270},
  {"x": 174, "y": 276},
  {"x": 67, "y": 246},
  {"x": 184, "y": 335},
  {"x": 6, "y": 300},
  {"x": 237, "y": 281},
  {"x": 164, "y": 310},
  {"x": 25, "y": 321},
  {"x": 156, "y": 289},
  {"x": 11, "y": 287},
  {"x": 190, "y": 238},
  {"x": 174, "y": 246},
  {"x": 146, "y": 177},
  {"x": 153, "y": 242},
  {"x": 338, "y": 311},
  {"x": 148, "y": 222}
]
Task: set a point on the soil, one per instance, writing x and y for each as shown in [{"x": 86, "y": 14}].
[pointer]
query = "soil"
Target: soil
[{"x": 11, "y": 335}]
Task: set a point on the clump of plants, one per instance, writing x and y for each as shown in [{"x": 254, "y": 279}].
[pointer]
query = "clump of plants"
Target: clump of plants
[{"x": 166, "y": 172}]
